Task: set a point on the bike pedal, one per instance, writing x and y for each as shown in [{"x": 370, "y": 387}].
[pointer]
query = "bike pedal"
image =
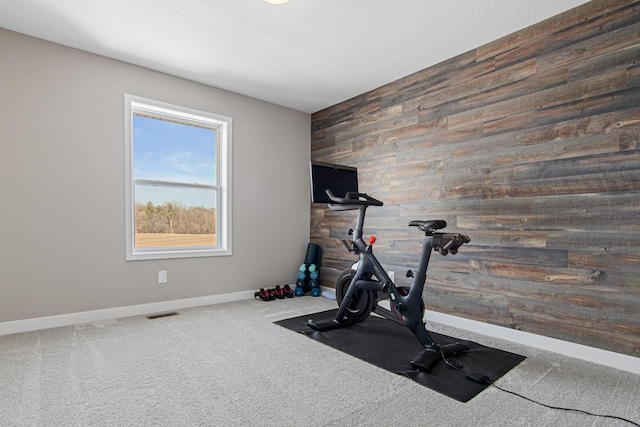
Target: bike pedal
[{"x": 425, "y": 360}]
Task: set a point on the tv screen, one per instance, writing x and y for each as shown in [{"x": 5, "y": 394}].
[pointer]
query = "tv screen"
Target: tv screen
[{"x": 337, "y": 178}]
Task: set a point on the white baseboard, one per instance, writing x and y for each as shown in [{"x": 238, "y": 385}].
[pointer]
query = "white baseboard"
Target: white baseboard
[
  {"x": 34, "y": 324},
  {"x": 578, "y": 351}
]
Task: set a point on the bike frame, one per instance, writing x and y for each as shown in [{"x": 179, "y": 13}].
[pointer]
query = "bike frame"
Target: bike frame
[{"x": 409, "y": 305}]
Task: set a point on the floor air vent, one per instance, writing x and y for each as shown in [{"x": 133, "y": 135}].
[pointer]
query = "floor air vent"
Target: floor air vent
[{"x": 155, "y": 316}]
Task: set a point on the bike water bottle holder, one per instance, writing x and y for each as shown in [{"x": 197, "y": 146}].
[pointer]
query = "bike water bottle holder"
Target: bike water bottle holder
[{"x": 351, "y": 247}]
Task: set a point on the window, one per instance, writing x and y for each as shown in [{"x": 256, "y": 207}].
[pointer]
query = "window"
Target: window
[{"x": 178, "y": 170}]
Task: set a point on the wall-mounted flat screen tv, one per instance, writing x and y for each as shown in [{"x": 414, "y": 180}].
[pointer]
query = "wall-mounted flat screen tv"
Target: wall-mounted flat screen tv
[{"x": 337, "y": 178}]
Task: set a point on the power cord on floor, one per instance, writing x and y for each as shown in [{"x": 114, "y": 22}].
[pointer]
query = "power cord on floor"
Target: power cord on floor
[{"x": 483, "y": 379}]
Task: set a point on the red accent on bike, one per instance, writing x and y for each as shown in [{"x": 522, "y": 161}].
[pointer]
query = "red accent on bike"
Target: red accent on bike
[{"x": 372, "y": 240}]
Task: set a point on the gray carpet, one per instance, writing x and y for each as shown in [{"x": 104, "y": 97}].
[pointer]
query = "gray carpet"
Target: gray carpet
[{"x": 229, "y": 365}]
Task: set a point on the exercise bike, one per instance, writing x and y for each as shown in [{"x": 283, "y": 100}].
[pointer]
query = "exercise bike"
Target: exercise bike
[{"x": 357, "y": 288}]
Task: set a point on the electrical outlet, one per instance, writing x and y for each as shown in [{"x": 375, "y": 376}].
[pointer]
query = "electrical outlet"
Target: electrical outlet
[
  {"x": 391, "y": 275},
  {"x": 162, "y": 276}
]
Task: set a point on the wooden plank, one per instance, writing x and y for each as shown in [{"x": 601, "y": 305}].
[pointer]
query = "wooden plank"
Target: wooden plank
[
  {"x": 581, "y": 22},
  {"x": 607, "y": 62},
  {"x": 527, "y": 105},
  {"x": 446, "y": 73},
  {"x": 488, "y": 81},
  {"x": 544, "y": 274},
  {"x": 583, "y": 51}
]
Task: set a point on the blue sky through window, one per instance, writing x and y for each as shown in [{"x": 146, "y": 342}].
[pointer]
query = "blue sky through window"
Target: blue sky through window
[{"x": 173, "y": 152}]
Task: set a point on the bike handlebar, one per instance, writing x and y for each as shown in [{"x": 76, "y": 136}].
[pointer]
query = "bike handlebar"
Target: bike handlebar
[{"x": 351, "y": 200}]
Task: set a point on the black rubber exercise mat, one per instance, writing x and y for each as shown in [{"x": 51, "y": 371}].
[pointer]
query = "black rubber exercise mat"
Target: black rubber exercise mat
[{"x": 391, "y": 346}]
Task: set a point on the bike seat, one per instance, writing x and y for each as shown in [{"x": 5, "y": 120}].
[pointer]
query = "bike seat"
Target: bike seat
[{"x": 429, "y": 226}]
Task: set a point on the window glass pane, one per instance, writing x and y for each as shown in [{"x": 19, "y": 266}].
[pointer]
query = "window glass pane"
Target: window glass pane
[
  {"x": 174, "y": 216},
  {"x": 174, "y": 152}
]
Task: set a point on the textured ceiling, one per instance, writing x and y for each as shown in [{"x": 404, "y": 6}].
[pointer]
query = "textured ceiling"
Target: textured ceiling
[{"x": 306, "y": 54}]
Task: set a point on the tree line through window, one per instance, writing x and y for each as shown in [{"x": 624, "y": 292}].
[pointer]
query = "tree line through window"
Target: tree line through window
[{"x": 177, "y": 224}]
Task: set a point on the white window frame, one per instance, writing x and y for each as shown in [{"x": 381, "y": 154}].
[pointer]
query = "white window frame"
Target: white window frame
[{"x": 222, "y": 124}]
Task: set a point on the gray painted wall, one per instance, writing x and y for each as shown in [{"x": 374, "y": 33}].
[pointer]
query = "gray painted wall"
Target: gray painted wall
[{"x": 62, "y": 204}]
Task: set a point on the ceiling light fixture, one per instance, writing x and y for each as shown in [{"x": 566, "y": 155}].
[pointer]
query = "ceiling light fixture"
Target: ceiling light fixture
[{"x": 277, "y": 1}]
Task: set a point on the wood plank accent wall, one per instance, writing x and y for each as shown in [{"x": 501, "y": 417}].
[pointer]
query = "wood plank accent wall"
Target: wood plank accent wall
[{"x": 530, "y": 145}]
